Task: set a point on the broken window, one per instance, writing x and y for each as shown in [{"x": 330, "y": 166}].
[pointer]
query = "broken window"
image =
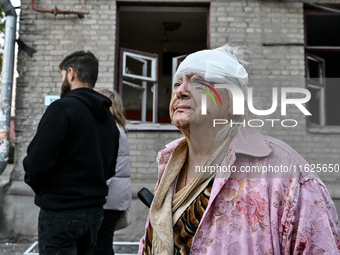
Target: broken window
[
  {"x": 322, "y": 52},
  {"x": 316, "y": 86},
  {"x": 152, "y": 39},
  {"x": 138, "y": 80}
]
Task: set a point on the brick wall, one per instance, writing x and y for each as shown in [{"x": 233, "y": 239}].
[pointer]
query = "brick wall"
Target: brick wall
[
  {"x": 54, "y": 38},
  {"x": 251, "y": 23},
  {"x": 258, "y": 23},
  {"x": 144, "y": 147}
]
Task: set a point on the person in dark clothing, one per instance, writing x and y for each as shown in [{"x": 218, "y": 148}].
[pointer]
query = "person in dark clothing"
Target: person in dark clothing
[{"x": 70, "y": 158}]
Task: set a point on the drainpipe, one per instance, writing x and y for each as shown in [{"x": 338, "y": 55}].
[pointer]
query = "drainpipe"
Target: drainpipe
[{"x": 7, "y": 80}]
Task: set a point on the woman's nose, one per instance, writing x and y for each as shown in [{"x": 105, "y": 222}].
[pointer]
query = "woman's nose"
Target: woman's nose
[{"x": 184, "y": 89}]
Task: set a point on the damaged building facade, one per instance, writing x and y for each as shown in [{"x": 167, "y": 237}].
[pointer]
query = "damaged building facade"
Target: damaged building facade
[{"x": 139, "y": 45}]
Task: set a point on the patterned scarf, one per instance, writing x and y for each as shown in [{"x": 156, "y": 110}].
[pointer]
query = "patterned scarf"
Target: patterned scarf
[{"x": 166, "y": 209}]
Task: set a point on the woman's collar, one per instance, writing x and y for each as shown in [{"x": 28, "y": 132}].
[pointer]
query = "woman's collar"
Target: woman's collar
[{"x": 250, "y": 142}]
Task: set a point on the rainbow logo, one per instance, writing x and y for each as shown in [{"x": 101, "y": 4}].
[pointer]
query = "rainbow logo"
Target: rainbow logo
[{"x": 213, "y": 90}]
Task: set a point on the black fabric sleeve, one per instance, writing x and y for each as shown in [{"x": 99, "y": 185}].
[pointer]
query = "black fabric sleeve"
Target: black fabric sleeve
[{"x": 42, "y": 152}]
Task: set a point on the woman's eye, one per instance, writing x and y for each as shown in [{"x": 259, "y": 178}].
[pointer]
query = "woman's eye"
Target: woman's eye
[
  {"x": 198, "y": 81},
  {"x": 176, "y": 85}
]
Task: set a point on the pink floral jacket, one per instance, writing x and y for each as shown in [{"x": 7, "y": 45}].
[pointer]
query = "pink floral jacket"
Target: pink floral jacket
[{"x": 263, "y": 215}]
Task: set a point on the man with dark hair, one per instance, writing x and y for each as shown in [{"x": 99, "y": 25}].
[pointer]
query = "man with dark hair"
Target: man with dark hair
[
  {"x": 70, "y": 158},
  {"x": 84, "y": 64}
]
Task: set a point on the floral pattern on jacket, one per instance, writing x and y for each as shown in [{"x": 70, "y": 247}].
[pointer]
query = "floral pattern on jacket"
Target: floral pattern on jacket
[{"x": 264, "y": 215}]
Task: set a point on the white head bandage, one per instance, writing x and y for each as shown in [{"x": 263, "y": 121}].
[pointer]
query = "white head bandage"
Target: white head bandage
[{"x": 217, "y": 66}]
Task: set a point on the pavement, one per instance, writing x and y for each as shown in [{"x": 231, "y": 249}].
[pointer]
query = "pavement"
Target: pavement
[
  {"x": 14, "y": 248},
  {"x": 120, "y": 248},
  {"x": 4, "y": 176},
  {"x": 132, "y": 233}
]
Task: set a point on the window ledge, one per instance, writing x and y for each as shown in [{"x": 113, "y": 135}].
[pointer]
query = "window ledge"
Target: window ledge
[
  {"x": 317, "y": 129},
  {"x": 149, "y": 126}
]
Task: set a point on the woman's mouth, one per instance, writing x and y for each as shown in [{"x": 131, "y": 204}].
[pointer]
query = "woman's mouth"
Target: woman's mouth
[{"x": 181, "y": 107}]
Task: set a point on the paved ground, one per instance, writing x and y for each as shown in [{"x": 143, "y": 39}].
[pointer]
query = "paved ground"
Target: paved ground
[
  {"x": 131, "y": 233},
  {"x": 13, "y": 248},
  {"x": 20, "y": 248}
]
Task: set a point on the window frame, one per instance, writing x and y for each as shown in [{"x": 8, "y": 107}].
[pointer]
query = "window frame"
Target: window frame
[
  {"x": 153, "y": 79},
  {"x": 308, "y": 51},
  {"x": 149, "y": 126},
  {"x": 318, "y": 85}
]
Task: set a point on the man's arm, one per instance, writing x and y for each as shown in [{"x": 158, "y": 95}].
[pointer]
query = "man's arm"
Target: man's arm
[{"x": 42, "y": 153}]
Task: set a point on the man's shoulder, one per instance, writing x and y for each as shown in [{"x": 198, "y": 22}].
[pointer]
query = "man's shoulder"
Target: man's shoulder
[
  {"x": 68, "y": 104},
  {"x": 54, "y": 107},
  {"x": 67, "y": 101},
  {"x": 63, "y": 108}
]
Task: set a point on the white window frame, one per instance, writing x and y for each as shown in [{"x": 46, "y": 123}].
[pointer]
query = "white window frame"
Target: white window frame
[
  {"x": 142, "y": 57},
  {"x": 176, "y": 61},
  {"x": 320, "y": 84}
]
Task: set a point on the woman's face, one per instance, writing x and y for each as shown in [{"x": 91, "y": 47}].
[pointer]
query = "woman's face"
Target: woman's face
[{"x": 185, "y": 105}]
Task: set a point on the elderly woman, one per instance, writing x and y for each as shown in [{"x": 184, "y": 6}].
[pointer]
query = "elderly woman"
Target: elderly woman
[{"x": 200, "y": 211}]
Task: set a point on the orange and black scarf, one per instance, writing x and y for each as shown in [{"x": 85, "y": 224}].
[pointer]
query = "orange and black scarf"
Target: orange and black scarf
[{"x": 186, "y": 226}]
